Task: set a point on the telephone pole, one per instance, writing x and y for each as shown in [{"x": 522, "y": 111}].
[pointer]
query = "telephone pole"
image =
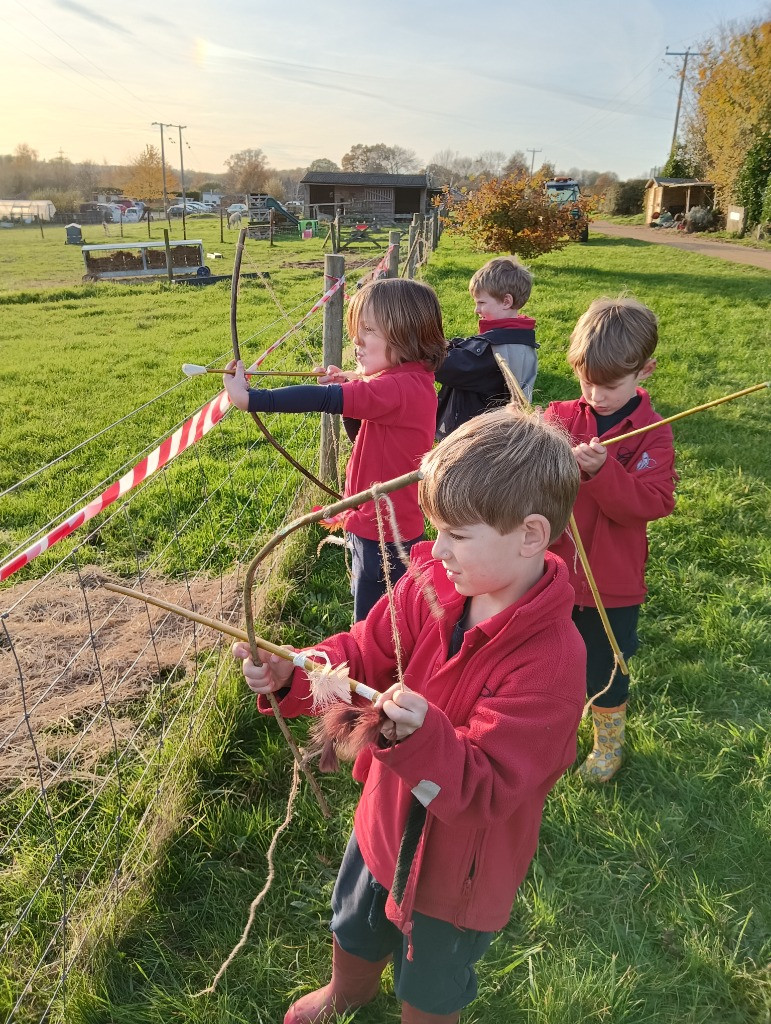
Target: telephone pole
[
  {"x": 685, "y": 55},
  {"x": 163, "y": 170},
  {"x": 532, "y": 162}
]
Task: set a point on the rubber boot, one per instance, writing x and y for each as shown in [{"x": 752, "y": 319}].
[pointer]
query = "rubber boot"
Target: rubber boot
[
  {"x": 411, "y": 1015},
  {"x": 355, "y": 981},
  {"x": 608, "y": 754}
]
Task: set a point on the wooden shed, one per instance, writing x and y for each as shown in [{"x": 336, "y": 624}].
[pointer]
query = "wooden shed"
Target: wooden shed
[
  {"x": 382, "y": 197},
  {"x": 678, "y": 195}
]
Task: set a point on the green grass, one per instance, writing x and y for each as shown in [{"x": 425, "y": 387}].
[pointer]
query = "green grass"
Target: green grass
[
  {"x": 748, "y": 240},
  {"x": 647, "y": 902},
  {"x": 622, "y": 218},
  {"x": 76, "y": 357}
]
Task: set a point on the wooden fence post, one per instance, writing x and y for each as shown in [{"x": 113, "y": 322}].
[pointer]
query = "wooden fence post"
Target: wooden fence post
[
  {"x": 394, "y": 237},
  {"x": 334, "y": 268},
  {"x": 169, "y": 267},
  {"x": 412, "y": 246},
  {"x": 421, "y": 251},
  {"x": 434, "y": 230}
]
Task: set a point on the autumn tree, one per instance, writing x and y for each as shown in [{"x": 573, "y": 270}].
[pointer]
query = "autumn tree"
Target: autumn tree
[
  {"x": 247, "y": 171},
  {"x": 144, "y": 178},
  {"x": 516, "y": 215},
  {"x": 732, "y": 90},
  {"x": 323, "y": 164},
  {"x": 380, "y": 158}
]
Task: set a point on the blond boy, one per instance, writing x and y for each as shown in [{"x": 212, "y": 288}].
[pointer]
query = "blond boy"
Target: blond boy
[
  {"x": 623, "y": 487},
  {"x": 483, "y": 726},
  {"x": 470, "y": 377}
]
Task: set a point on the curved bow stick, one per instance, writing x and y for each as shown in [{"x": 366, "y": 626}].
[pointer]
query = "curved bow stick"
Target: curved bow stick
[
  {"x": 348, "y": 735},
  {"x": 237, "y": 355},
  {"x": 341, "y": 685},
  {"x": 518, "y": 393}
]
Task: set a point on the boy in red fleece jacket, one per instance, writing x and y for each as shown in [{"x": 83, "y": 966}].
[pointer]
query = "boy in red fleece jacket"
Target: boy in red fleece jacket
[
  {"x": 623, "y": 488},
  {"x": 483, "y": 726},
  {"x": 470, "y": 377}
]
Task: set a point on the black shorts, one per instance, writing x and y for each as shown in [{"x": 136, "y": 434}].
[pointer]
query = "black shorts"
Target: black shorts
[
  {"x": 599, "y": 654},
  {"x": 441, "y": 977}
]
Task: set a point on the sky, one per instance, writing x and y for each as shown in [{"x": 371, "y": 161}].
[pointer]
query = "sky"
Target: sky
[{"x": 585, "y": 83}]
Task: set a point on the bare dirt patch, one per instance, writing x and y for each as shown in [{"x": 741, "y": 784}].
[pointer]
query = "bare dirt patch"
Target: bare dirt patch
[{"x": 73, "y": 644}]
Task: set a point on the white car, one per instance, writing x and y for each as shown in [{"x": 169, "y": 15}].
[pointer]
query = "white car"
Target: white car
[
  {"x": 237, "y": 208},
  {"x": 132, "y": 216}
]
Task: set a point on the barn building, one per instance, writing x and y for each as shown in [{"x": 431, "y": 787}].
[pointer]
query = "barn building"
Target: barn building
[{"x": 371, "y": 196}]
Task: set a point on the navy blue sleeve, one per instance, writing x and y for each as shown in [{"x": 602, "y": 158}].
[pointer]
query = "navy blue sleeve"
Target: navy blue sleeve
[{"x": 297, "y": 398}]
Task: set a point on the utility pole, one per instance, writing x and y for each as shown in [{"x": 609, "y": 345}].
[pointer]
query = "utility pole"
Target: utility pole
[
  {"x": 182, "y": 176},
  {"x": 532, "y": 162},
  {"x": 163, "y": 169},
  {"x": 685, "y": 55},
  {"x": 181, "y": 161}
]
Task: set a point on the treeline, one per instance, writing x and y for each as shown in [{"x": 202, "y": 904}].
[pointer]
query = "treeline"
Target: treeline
[{"x": 23, "y": 175}]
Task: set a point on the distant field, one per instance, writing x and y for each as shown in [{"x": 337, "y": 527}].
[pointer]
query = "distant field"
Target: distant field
[{"x": 647, "y": 902}]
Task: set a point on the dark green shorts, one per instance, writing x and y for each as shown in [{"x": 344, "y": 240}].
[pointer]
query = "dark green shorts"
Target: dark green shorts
[{"x": 440, "y": 978}]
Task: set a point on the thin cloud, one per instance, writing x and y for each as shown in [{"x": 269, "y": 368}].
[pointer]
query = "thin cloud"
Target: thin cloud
[
  {"x": 314, "y": 75},
  {"x": 92, "y": 16}
]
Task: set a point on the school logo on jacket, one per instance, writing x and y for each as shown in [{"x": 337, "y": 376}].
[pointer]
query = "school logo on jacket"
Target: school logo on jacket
[
  {"x": 624, "y": 455},
  {"x": 646, "y": 462}
]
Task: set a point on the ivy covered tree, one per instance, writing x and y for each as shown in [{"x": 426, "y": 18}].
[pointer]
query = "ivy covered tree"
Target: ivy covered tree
[
  {"x": 516, "y": 215},
  {"x": 753, "y": 179}
]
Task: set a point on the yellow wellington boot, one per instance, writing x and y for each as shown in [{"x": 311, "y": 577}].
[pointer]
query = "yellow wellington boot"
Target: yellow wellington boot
[{"x": 608, "y": 754}]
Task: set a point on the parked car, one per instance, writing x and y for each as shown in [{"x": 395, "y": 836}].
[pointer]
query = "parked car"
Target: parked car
[
  {"x": 98, "y": 211},
  {"x": 190, "y": 207},
  {"x": 237, "y": 208},
  {"x": 132, "y": 215}
]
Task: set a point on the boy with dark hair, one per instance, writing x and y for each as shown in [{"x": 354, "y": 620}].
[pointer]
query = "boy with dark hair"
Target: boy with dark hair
[
  {"x": 478, "y": 732},
  {"x": 623, "y": 488},
  {"x": 471, "y": 379}
]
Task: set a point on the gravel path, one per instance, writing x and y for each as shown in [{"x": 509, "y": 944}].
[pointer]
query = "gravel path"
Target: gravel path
[{"x": 705, "y": 246}]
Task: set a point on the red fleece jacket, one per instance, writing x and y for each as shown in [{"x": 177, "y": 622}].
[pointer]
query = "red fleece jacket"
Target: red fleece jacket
[
  {"x": 398, "y": 412},
  {"x": 500, "y": 730},
  {"x": 635, "y": 485}
]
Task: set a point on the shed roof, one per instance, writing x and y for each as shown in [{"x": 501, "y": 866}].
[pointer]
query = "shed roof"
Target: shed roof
[
  {"x": 674, "y": 182},
  {"x": 361, "y": 178}
]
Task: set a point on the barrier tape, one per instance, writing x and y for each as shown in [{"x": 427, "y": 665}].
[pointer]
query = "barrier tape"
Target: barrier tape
[{"x": 184, "y": 437}]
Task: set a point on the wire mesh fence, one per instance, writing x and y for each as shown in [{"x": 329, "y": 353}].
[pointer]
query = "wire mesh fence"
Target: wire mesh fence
[{"x": 104, "y": 703}]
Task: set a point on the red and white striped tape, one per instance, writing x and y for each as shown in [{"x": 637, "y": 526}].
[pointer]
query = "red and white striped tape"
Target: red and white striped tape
[{"x": 192, "y": 430}]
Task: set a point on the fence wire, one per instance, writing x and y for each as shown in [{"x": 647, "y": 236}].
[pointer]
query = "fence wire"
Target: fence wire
[{"x": 105, "y": 702}]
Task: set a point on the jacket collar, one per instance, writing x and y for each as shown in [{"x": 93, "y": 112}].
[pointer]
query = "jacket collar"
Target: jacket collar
[
  {"x": 551, "y": 597},
  {"x": 644, "y": 409}
]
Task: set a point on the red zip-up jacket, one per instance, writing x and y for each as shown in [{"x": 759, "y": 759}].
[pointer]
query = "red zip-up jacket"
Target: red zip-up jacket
[
  {"x": 635, "y": 485},
  {"x": 500, "y": 730},
  {"x": 397, "y": 408}
]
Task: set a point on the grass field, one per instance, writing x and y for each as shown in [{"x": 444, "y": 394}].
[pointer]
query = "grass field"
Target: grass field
[{"x": 648, "y": 901}]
